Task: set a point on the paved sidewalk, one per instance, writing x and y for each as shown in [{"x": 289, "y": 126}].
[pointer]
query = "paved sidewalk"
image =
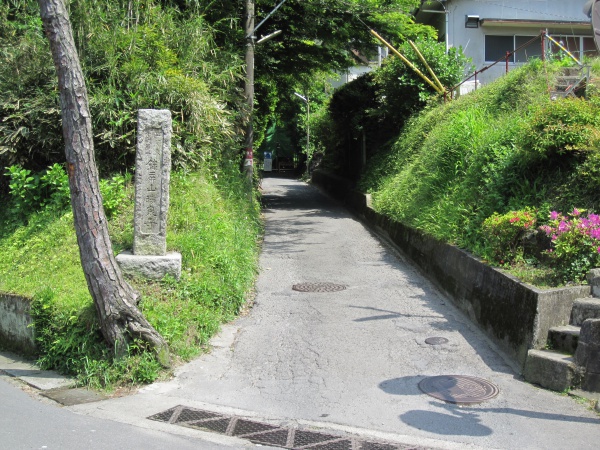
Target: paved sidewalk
[{"x": 350, "y": 361}]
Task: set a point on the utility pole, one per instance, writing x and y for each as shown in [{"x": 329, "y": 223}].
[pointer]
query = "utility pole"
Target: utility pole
[
  {"x": 249, "y": 88},
  {"x": 250, "y": 37}
]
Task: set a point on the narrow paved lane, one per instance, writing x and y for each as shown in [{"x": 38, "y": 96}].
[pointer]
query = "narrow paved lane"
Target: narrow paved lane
[
  {"x": 355, "y": 357},
  {"x": 26, "y": 423}
]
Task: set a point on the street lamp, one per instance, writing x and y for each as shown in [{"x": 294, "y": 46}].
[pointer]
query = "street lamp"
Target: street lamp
[{"x": 305, "y": 100}]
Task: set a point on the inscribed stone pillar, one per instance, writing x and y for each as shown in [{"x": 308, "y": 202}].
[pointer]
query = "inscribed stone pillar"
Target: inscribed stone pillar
[{"x": 152, "y": 172}]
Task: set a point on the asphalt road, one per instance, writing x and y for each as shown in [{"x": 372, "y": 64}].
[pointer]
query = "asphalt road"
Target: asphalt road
[
  {"x": 28, "y": 422},
  {"x": 352, "y": 360}
]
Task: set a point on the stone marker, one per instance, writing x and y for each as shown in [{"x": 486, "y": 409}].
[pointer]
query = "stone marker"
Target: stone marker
[{"x": 152, "y": 173}]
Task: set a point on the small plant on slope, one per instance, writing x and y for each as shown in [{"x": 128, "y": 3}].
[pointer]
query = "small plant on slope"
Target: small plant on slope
[
  {"x": 503, "y": 234},
  {"x": 575, "y": 243}
]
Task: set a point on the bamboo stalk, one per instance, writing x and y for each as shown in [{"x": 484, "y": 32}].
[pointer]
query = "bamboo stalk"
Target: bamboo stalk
[
  {"x": 422, "y": 58},
  {"x": 407, "y": 62}
]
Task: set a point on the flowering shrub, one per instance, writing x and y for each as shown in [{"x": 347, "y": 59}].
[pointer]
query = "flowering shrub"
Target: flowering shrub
[
  {"x": 575, "y": 243},
  {"x": 503, "y": 234}
]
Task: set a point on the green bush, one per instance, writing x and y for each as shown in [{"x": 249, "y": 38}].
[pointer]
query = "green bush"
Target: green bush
[
  {"x": 503, "y": 233},
  {"x": 30, "y": 192},
  {"x": 374, "y": 107},
  {"x": 563, "y": 125},
  {"x": 113, "y": 192}
]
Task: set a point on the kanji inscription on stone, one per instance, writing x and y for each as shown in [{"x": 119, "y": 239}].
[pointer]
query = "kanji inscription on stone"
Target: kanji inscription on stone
[{"x": 152, "y": 173}]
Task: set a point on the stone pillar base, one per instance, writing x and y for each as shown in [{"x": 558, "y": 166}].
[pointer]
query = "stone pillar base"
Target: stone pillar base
[{"x": 150, "y": 266}]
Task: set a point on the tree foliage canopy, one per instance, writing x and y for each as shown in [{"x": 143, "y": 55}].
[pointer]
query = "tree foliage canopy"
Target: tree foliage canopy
[{"x": 184, "y": 55}]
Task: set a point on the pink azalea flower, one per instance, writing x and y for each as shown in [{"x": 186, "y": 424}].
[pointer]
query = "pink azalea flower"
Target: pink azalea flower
[
  {"x": 575, "y": 212},
  {"x": 553, "y": 215}
]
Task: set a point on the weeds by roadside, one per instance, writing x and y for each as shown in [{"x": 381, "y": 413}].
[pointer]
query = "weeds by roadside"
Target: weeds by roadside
[
  {"x": 210, "y": 223},
  {"x": 470, "y": 171}
]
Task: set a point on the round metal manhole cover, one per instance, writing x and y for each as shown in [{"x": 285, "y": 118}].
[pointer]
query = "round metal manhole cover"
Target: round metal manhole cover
[
  {"x": 436, "y": 340},
  {"x": 459, "y": 389},
  {"x": 318, "y": 287}
]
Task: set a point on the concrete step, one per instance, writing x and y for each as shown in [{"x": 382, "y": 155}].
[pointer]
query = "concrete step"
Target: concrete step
[
  {"x": 571, "y": 71},
  {"x": 564, "y": 339},
  {"x": 585, "y": 308},
  {"x": 568, "y": 81},
  {"x": 554, "y": 95},
  {"x": 550, "y": 369}
]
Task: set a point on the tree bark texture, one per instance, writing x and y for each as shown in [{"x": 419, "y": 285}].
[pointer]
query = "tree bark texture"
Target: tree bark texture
[{"x": 115, "y": 300}]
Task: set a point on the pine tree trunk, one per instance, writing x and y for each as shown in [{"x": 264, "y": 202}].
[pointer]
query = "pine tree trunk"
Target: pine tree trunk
[{"x": 115, "y": 300}]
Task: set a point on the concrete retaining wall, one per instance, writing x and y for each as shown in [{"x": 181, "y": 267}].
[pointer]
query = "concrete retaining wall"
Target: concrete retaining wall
[
  {"x": 15, "y": 331},
  {"x": 515, "y": 315}
]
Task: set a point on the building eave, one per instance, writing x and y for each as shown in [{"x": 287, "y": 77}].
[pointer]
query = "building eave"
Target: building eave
[{"x": 540, "y": 24}]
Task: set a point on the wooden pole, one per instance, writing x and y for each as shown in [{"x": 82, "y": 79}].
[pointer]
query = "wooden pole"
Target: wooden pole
[
  {"x": 431, "y": 72},
  {"x": 408, "y": 63}
]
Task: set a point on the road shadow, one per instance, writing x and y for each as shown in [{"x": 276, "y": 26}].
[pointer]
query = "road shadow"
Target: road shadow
[
  {"x": 388, "y": 314},
  {"x": 462, "y": 420},
  {"x": 463, "y": 423}
]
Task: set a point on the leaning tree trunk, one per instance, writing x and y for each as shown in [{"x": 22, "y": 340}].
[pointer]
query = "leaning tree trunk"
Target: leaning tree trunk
[{"x": 115, "y": 300}]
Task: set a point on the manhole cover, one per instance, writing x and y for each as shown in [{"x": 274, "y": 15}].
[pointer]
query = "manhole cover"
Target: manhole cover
[
  {"x": 459, "y": 388},
  {"x": 436, "y": 340},
  {"x": 318, "y": 287}
]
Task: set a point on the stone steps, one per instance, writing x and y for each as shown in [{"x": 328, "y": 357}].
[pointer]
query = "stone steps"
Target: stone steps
[
  {"x": 587, "y": 356},
  {"x": 551, "y": 370},
  {"x": 557, "y": 369},
  {"x": 557, "y": 94},
  {"x": 585, "y": 308},
  {"x": 564, "y": 83},
  {"x": 564, "y": 339},
  {"x": 571, "y": 71},
  {"x": 568, "y": 83}
]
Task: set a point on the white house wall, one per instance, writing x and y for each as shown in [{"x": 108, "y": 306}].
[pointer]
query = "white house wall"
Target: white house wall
[
  {"x": 472, "y": 39},
  {"x": 350, "y": 75}
]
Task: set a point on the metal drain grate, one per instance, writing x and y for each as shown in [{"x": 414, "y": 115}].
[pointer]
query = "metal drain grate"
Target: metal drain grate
[
  {"x": 377, "y": 446},
  {"x": 267, "y": 434},
  {"x": 165, "y": 416},
  {"x": 248, "y": 427},
  {"x": 337, "y": 445},
  {"x": 304, "y": 438},
  {"x": 218, "y": 426},
  {"x": 190, "y": 415},
  {"x": 278, "y": 438},
  {"x": 318, "y": 287},
  {"x": 459, "y": 389}
]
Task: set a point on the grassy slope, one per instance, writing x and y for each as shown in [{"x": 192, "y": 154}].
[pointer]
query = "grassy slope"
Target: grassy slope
[
  {"x": 456, "y": 164},
  {"x": 215, "y": 229}
]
